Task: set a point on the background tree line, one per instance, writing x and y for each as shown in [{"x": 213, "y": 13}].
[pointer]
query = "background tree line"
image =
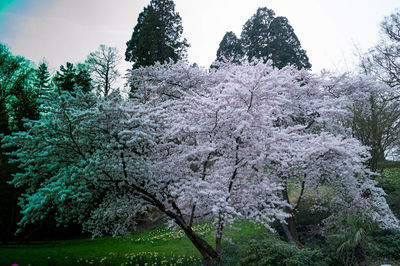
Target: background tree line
[{"x": 24, "y": 90}]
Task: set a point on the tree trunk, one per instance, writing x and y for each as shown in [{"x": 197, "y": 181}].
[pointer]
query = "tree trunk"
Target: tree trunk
[
  {"x": 288, "y": 235},
  {"x": 208, "y": 253},
  {"x": 290, "y": 228},
  {"x": 192, "y": 216},
  {"x": 290, "y": 232},
  {"x": 218, "y": 238},
  {"x": 293, "y": 230},
  {"x": 360, "y": 255}
]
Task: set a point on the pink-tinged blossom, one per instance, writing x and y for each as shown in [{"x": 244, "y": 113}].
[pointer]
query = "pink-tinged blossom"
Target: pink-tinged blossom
[{"x": 194, "y": 144}]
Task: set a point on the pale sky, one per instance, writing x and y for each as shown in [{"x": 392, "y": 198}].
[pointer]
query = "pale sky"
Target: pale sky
[{"x": 68, "y": 30}]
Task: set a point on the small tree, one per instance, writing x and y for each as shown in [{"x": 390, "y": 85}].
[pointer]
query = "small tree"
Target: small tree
[
  {"x": 102, "y": 65},
  {"x": 376, "y": 123},
  {"x": 42, "y": 77}
]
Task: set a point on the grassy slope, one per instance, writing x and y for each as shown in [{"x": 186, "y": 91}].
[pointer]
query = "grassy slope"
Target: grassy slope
[
  {"x": 390, "y": 182},
  {"x": 160, "y": 245}
]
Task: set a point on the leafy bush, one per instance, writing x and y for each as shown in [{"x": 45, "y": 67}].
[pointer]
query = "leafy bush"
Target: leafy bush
[
  {"x": 386, "y": 244},
  {"x": 390, "y": 182},
  {"x": 266, "y": 249}
]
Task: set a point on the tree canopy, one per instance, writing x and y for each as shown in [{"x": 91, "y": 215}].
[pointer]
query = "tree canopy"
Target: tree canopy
[
  {"x": 383, "y": 60},
  {"x": 18, "y": 95},
  {"x": 157, "y": 36},
  {"x": 230, "y": 48},
  {"x": 265, "y": 37},
  {"x": 72, "y": 78},
  {"x": 102, "y": 65},
  {"x": 19, "y": 100},
  {"x": 237, "y": 134},
  {"x": 376, "y": 123}
]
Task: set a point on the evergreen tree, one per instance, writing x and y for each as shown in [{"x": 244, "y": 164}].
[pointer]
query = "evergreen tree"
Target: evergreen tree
[
  {"x": 255, "y": 34},
  {"x": 70, "y": 78},
  {"x": 42, "y": 77},
  {"x": 284, "y": 47},
  {"x": 82, "y": 77},
  {"x": 44, "y": 86},
  {"x": 157, "y": 35},
  {"x": 265, "y": 37},
  {"x": 230, "y": 48}
]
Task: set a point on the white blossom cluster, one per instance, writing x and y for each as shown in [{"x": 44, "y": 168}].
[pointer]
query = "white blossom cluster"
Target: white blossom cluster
[{"x": 196, "y": 144}]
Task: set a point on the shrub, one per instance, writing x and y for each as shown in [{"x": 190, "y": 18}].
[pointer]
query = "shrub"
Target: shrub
[
  {"x": 266, "y": 249},
  {"x": 386, "y": 244}
]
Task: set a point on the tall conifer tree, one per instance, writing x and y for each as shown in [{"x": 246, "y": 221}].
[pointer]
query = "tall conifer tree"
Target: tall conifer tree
[
  {"x": 157, "y": 35},
  {"x": 230, "y": 48},
  {"x": 69, "y": 78},
  {"x": 265, "y": 37},
  {"x": 42, "y": 77}
]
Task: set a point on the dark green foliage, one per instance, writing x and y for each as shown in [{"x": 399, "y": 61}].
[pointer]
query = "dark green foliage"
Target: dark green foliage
[
  {"x": 18, "y": 101},
  {"x": 255, "y": 34},
  {"x": 21, "y": 89},
  {"x": 380, "y": 245},
  {"x": 7, "y": 67},
  {"x": 335, "y": 244},
  {"x": 389, "y": 164},
  {"x": 265, "y": 37},
  {"x": 82, "y": 78},
  {"x": 43, "y": 84},
  {"x": 377, "y": 126},
  {"x": 71, "y": 78},
  {"x": 9, "y": 210},
  {"x": 309, "y": 224},
  {"x": 266, "y": 249},
  {"x": 349, "y": 235},
  {"x": 42, "y": 77},
  {"x": 386, "y": 244},
  {"x": 3, "y": 117},
  {"x": 24, "y": 105},
  {"x": 18, "y": 96},
  {"x": 390, "y": 182},
  {"x": 230, "y": 48},
  {"x": 156, "y": 36},
  {"x": 284, "y": 47}
]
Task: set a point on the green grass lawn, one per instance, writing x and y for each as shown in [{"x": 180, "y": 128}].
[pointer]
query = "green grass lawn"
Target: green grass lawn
[{"x": 159, "y": 246}]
